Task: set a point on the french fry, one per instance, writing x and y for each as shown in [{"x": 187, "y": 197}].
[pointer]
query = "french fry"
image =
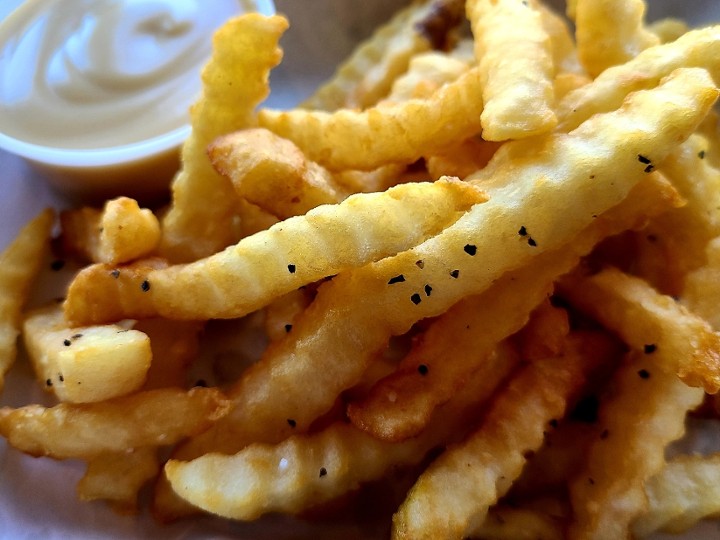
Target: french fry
[
  {"x": 483, "y": 467},
  {"x": 280, "y": 314},
  {"x": 652, "y": 324},
  {"x": 516, "y": 68},
  {"x": 87, "y": 430},
  {"x": 368, "y": 74},
  {"x": 646, "y": 412},
  {"x": 118, "y": 477},
  {"x": 701, "y": 292},
  {"x": 273, "y": 173},
  {"x": 610, "y": 32},
  {"x": 20, "y": 264},
  {"x": 685, "y": 491},
  {"x": 507, "y": 523},
  {"x": 318, "y": 467},
  {"x": 387, "y": 297},
  {"x": 235, "y": 81},
  {"x": 668, "y": 29},
  {"x": 271, "y": 263},
  {"x": 426, "y": 73},
  {"x": 697, "y": 48},
  {"x": 105, "y": 293},
  {"x": 85, "y": 364}
]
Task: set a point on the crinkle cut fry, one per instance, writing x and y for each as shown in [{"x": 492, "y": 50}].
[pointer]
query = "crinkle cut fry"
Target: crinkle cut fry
[
  {"x": 610, "y": 32},
  {"x": 398, "y": 133},
  {"x": 516, "y": 68},
  {"x": 304, "y": 249},
  {"x": 321, "y": 466},
  {"x": 200, "y": 219},
  {"x": 367, "y": 75},
  {"x": 651, "y": 322},
  {"x": 399, "y": 405},
  {"x": 482, "y": 468},
  {"x": 684, "y": 492},
  {"x": 387, "y": 297},
  {"x": 697, "y": 48},
  {"x": 645, "y": 414},
  {"x": 19, "y": 266}
]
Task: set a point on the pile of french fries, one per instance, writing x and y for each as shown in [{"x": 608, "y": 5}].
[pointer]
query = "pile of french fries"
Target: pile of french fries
[{"x": 487, "y": 255}]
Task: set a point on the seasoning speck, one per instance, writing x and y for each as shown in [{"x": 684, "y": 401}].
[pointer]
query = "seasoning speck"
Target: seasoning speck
[
  {"x": 423, "y": 369},
  {"x": 57, "y": 265},
  {"x": 115, "y": 273},
  {"x": 649, "y": 348},
  {"x": 291, "y": 268},
  {"x": 455, "y": 273},
  {"x": 323, "y": 472},
  {"x": 643, "y": 159},
  {"x": 145, "y": 285},
  {"x": 416, "y": 299},
  {"x": 396, "y": 279},
  {"x": 292, "y": 423},
  {"x": 644, "y": 374},
  {"x": 420, "y": 264},
  {"x": 201, "y": 382},
  {"x": 522, "y": 231},
  {"x": 288, "y": 327},
  {"x": 701, "y": 154},
  {"x": 428, "y": 290},
  {"x": 531, "y": 242},
  {"x": 67, "y": 342},
  {"x": 470, "y": 249},
  {"x": 48, "y": 382}
]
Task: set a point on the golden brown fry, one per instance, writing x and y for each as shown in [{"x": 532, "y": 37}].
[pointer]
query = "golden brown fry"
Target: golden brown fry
[
  {"x": 652, "y": 323},
  {"x": 426, "y": 73},
  {"x": 645, "y": 412},
  {"x": 684, "y": 492},
  {"x": 698, "y": 48},
  {"x": 516, "y": 68},
  {"x": 482, "y": 468},
  {"x": 386, "y": 298},
  {"x": 400, "y": 133},
  {"x": 117, "y": 477},
  {"x": 702, "y": 287},
  {"x": 461, "y": 159},
  {"x": 87, "y": 430},
  {"x": 84, "y": 364},
  {"x": 508, "y": 523},
  {"x": 304, "y": 249},
  {"x": 105, "y": 293},
  {"x": 235, "y": 81},
  {"x": 610, "y": 32},
  {"x": 367, "y": 75},
  {"x": 273, "y": 173},
  {"x": 19, "y": 266},
  {"x": 120, "y": 233}
]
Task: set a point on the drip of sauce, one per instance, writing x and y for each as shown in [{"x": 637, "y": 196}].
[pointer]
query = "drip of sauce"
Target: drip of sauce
[{"x": 90, "y": 74}]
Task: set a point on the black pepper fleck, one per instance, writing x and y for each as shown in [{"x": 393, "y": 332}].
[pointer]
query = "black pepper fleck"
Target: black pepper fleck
[
  {"x": 428, "y": 290},
  {"x": 291, "y": 268},
  {"x": 288, "y": 327},
  {"x": 649, "y": 348},
  {"x": 522, "y": 231},
  {"x": 115, "y": 273},
  {"x": 57, "y": 265},
  {"x": 323, "y": 472},
  {"x": 553, "y": 423},
  {"x": 470, "y": 249},
  {"x": 650, "y": 168},
  {"x": 76, "y": 336},
  {"x": 644, "y": 374},
  {"x": 532, "y": 242},
  {"x": 67, "y": 342},
  {"x": 145, "y": 285},
  {"x": 201, "y": 382},
  {"x": 420, "y": 264},
  {"x": 416, "y": 299},
  {"x": 643, "y": 159},
  {"x": 48, "y": 382},
  {"x": 61, "y": 378},
  {"x": 292, "y": 423},
  {"x": 591, "y": 481},
  {"x": 396, "y": 279},
  {"x": 701, "y": 154},
  {"x": 455, "y": 273},
  {"x": 604, "y": 435},
  {"x": 423, "y": 369}
]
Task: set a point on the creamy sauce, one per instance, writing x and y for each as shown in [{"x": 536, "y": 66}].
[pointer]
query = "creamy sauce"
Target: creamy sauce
[{"x": 88, "y": 74}]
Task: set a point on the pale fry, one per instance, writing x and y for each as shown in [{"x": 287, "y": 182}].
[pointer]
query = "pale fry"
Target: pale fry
[
  {"x": 368, "y": 74},
  {"x": 325, "y": 351},
  {"x": 698, "y": 48},
  {"x": 280, "y": 314},
  {"x": 684, "y": 492},
  {"x": 652, "y": 323},
  {"x": 400, "y": 133},
  {"x": 516, "y": 68},
  {"x": 304, "y": 249},
  {"x": 118, "y": 477},
  {"x": 426, "y": 73},
  {"x": 87, "y": 430},
  {"x": 483, "y": 467},
  {"x": 273, "y": 173},
  {"x": 85, "y": 364},
  {"x": 20, "y": 264},
  {"x": 668, "y": 29},
  {"x": 235, "y": 81},
  {"x": 701, "y": 292},
  {"x": 610, "y": 32},
  {"x": 646, "y": 412}
]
